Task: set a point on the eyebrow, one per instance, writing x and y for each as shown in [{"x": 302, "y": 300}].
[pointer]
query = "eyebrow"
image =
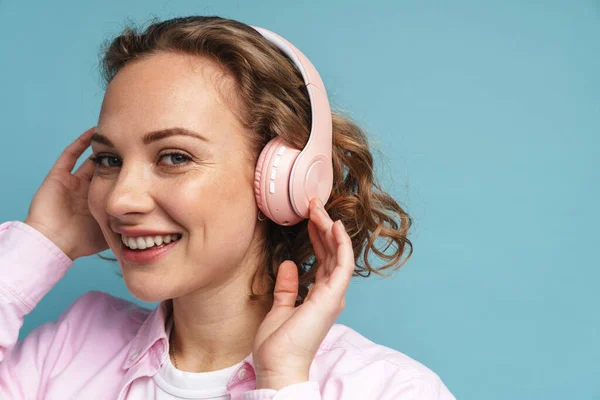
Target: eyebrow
[{"x": 152, "y": 136}]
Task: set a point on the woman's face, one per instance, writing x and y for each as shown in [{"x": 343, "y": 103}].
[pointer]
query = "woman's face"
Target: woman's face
[{"x": 205, "y": 194}]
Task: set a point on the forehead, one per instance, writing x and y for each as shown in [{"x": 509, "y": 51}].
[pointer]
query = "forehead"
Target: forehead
[{"x": 166, "y": 90}]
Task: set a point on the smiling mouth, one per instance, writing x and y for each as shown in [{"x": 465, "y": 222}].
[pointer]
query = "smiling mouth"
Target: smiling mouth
[{"x": 153, "y": 246}]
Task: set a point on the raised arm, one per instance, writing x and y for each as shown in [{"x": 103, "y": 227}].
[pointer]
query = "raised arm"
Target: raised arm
[{"x": 34, "y": 256}]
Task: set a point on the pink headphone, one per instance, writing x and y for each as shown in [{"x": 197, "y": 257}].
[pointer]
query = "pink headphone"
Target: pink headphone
[{"x": 286, "y": 179}]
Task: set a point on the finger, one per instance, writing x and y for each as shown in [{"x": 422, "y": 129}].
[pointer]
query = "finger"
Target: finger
[
  {"x": 86, "y": 170},
  {"x": 326, "y": 234},
  {"x": 317, "y": 242},
  {"x": 322, "y": 273},
  {"x": 324, "y": 225},
  {"x": 71, "y": 154},
  {"x": 342, "y": 273},
  {"x": 322, "y": 251},
  {"x": 319, "y": 248},
  {"x": 286, "y": 285}
]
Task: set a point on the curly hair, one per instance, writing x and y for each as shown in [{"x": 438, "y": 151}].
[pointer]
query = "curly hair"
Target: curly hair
[{"x": 274, "y": 101}]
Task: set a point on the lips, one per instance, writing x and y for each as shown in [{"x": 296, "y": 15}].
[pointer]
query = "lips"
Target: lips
[{"x": 148, "y": 255}]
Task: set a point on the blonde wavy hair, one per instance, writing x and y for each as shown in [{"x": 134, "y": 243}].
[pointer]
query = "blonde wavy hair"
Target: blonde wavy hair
[{"x": 274, "y": 101}]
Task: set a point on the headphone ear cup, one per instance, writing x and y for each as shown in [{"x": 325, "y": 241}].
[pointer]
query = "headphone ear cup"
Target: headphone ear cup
[{"x": 272, "y": 182}]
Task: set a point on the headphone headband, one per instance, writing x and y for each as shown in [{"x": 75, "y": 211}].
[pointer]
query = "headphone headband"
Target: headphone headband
[{"x": 302, "y": 174}]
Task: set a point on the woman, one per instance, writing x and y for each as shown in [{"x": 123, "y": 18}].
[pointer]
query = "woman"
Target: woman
[{"x": 249, "y": 287}]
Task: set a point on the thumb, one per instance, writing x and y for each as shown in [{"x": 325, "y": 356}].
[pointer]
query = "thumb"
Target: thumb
[
  {"x": 86, "y": 170},
  {"x": 286, "y": 285}
]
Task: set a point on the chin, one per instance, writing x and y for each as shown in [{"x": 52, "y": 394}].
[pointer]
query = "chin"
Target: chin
[{"x": 149, "y": 289}]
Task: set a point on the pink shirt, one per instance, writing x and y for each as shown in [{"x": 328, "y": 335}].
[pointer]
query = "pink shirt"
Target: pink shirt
[{"x": 102, "y": 346}]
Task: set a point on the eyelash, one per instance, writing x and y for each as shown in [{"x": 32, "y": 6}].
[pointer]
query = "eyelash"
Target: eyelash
[{"x": 97, "y": 159}]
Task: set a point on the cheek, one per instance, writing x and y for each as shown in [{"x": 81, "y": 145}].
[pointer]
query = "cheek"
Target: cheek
[
  {"x": 221, "y": 204},
  {"x": 196, "y": 192},
  {"x": 96, "y": 194}
]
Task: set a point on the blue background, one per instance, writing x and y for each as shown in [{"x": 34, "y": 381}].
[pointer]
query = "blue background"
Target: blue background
[{"x": 486, "y": 116}]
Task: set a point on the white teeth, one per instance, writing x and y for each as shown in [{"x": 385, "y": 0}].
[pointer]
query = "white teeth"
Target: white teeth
[
  {"x": 141, "y": 243},
  {"x": 131, "y": 242},
  {"x": 147, "y": 241}
]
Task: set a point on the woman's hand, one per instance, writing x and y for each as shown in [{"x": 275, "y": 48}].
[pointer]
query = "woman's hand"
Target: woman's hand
[
  {"x": 59, "y": 209},
  {"x": 289, "y": 337}
]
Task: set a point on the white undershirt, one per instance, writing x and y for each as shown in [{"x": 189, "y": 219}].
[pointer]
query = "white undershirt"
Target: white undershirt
[{"x": 170, "y": 383}]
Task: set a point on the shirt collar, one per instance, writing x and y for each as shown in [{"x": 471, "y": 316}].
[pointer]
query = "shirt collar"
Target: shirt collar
[{"x": 153, "y": 330}]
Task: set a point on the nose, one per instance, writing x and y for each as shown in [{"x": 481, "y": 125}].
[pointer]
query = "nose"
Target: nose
[{"x": 130, "y": 193}]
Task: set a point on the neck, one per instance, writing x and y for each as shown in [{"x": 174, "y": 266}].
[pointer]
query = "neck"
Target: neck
[{"x": 213, "y": 332}]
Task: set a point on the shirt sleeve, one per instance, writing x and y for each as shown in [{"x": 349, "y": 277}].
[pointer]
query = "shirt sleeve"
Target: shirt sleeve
[
  {"x": 30, "y": 265},
  {"x": 431, "y": 388},
  {"x": 377, "y": 373},
  {"x": 308, "y": 390}
]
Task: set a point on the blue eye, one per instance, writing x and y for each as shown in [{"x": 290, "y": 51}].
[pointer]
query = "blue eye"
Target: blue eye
[
  {"x": 98, "y": 160},
  {"x": 177, "y": 159}
]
